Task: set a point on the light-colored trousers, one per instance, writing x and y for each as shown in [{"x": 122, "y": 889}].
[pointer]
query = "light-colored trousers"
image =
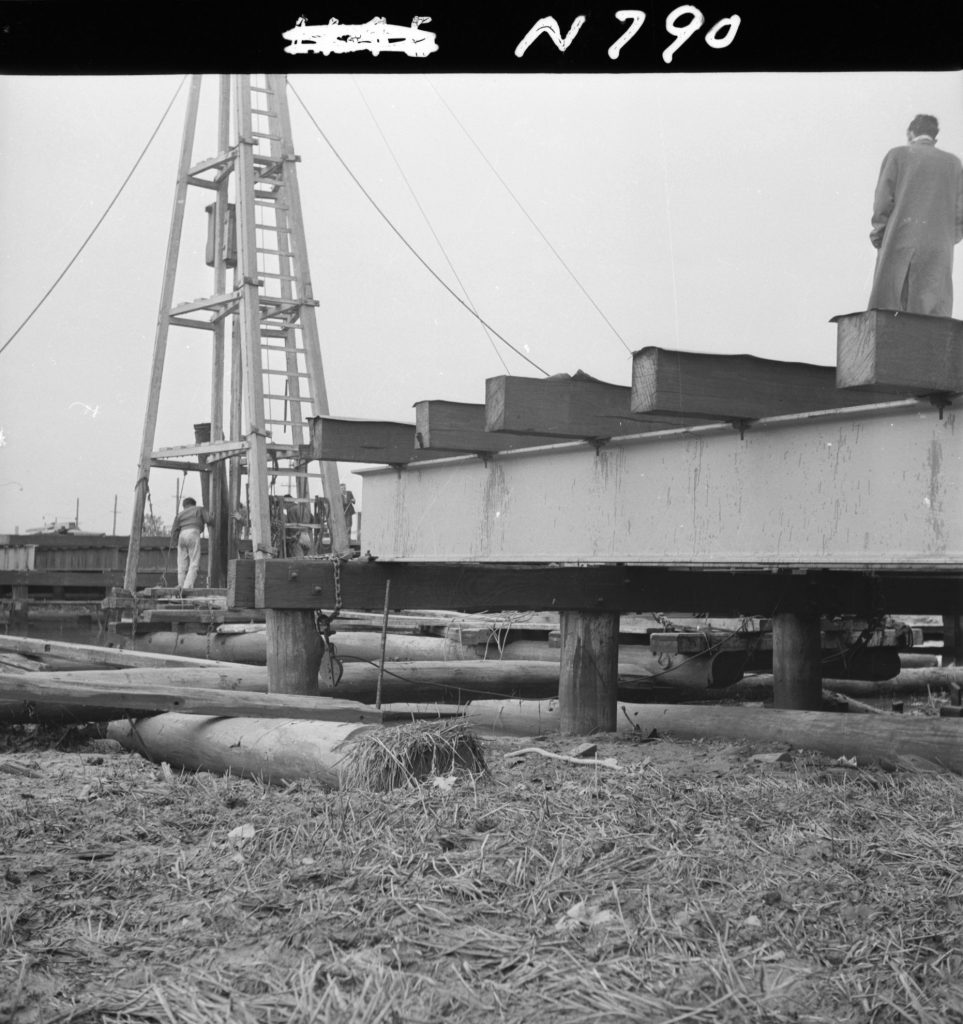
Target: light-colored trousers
[{"x": 188, "y": 557}]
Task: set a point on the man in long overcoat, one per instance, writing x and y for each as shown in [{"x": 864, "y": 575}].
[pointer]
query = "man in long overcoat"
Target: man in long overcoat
[{"x": 917, "y": 219}]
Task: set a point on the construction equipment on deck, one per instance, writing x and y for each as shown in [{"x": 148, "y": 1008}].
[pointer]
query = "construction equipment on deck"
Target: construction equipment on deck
[{"x": 276, "y": 378}]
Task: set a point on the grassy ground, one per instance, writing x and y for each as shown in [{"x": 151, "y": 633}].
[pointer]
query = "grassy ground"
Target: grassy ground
[{"x": 690, "y": 882}]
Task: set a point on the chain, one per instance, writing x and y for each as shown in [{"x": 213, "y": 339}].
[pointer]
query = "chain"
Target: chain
[
  {"x": 337, "y": 588},
  {"x": 322, "y": 623}
]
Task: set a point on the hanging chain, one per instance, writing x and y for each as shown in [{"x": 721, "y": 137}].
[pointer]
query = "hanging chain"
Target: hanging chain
[{"x": 331, "y": 668}]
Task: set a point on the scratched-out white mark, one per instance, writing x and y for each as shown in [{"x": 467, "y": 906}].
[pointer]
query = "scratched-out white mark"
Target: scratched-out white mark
[
  {"x": 3, "y": 438},
  {"x": 374, "y": 36},
  {"x": 88, "y": 410}
]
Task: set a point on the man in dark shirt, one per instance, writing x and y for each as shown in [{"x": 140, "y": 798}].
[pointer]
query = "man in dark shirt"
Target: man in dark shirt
[
  {"x": 917, "y": 219},
  {"x": 186, "y": 534}
]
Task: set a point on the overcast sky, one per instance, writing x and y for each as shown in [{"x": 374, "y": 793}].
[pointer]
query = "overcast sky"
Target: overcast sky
[{"x": 724, "y": 213}]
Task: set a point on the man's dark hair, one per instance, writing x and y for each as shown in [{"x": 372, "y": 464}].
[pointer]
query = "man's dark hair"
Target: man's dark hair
[
  {"x": 925, "y": 124},
  {"x": 189, "y": 502}
]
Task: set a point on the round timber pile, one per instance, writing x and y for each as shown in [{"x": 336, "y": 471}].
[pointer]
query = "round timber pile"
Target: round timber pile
[{"x": 277, "y": 751}]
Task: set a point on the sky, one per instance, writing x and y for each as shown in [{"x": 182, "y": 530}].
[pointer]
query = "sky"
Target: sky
[{"x": 723, "y": 213}]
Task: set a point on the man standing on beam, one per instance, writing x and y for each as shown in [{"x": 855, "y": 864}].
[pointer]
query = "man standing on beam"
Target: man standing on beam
[{"x": 917, "y": 219}]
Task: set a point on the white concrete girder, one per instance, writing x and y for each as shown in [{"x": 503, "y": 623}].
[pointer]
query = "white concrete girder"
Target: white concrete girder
[{"x": 875, "y": 486}]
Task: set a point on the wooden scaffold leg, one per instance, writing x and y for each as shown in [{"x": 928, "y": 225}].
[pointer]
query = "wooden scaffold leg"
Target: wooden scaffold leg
[
  {"x": 796, "y": 659},
  {"x": 293, "y": 651},
  {"x": 587, "y": 689}
]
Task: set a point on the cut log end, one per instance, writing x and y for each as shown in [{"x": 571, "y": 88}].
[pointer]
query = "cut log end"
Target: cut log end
[{"x": 386, "y": 759}]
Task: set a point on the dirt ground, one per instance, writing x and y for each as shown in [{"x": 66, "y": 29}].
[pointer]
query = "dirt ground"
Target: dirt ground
[{"x": 667, "y": 882}]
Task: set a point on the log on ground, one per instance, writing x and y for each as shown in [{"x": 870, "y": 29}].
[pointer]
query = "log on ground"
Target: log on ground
[
  {"x": 458, "y": 682},
  {"x": 251, "y": 647},
  {"x": 33, "y": 690},
  {"x": 96, "y": 655},
  {"x": 909, "y": 681},
  {"x": 889, "y": 740},
  {"x": 448, "y": 681},
  {"x": 336, "y": 754},
  {"x": 46, "y": 708}
]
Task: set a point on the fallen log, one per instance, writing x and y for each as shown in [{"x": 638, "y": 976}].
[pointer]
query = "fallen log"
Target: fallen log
[
  {"x": 458, "y": 682},
  {"x": 12, "y": 662},
  {"x": 453, "y": 682},
  {"x": 909, "y": 681},
  {"x": 918, "y": 659},
  {"x": 51, "y": 711},
  {"x": 890, "y": 740},
  {"x": 724, "y": 668},
  {"x": 32, "y": 689},
  {"x": 251, "y": 647},
  {"x": 96, "y": 655},
  {"x": 336, "y": 754}
]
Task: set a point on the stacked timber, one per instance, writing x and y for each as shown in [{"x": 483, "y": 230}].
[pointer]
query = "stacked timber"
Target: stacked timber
[
  {"x": 687, "y": 654},
  {"x": 218, "y": 716},
  {"x": 118, "y": 682}
]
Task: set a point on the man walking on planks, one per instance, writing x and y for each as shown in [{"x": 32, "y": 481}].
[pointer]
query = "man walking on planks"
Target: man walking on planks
[
  {"x": 917, "y": 219},
  {"x": 186, "y": 534}
]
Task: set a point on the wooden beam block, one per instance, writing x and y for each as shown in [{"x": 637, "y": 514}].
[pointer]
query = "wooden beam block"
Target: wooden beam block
[
  {"x": 95, "y": 579},
  {"x": 294, "y": 583},
  {"x": 352, "y": 440},
  {"x": 180, "y": 467},
  {"x": 899, "y": 353},
  {"x": 207, "y": 448},
  {"x": 723, "y": 387},
  {"x": 564, "y": 406},
  {"x": 460, "y": 427},
  {"x": 309, "y": 583}
]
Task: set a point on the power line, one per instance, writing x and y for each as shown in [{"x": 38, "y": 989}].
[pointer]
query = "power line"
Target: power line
[
  {"x": 100, "y": 221},
  {"x": 541, "y": 233},
  {"x": 405, "y": 241},
  {"x": 431, "y": 228}
]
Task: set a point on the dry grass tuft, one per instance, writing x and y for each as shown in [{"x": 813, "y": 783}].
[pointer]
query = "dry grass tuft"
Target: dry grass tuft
[{"x": 407, "y": 754}]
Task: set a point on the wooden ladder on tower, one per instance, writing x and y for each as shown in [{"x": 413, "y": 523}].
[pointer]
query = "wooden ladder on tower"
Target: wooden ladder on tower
[{"x": 275, "y": 376}]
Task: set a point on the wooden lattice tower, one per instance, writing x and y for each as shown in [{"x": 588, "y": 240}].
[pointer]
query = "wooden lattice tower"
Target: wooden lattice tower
[{"x": 276, "y": 373}]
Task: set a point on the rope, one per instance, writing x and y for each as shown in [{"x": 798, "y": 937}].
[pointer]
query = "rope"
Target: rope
[
  {"x": 100, "y": 221},
  {"x": 528, "y": 217},
  {"x": 431, "y": 227},
  {"x": 407, "y": 244}
]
